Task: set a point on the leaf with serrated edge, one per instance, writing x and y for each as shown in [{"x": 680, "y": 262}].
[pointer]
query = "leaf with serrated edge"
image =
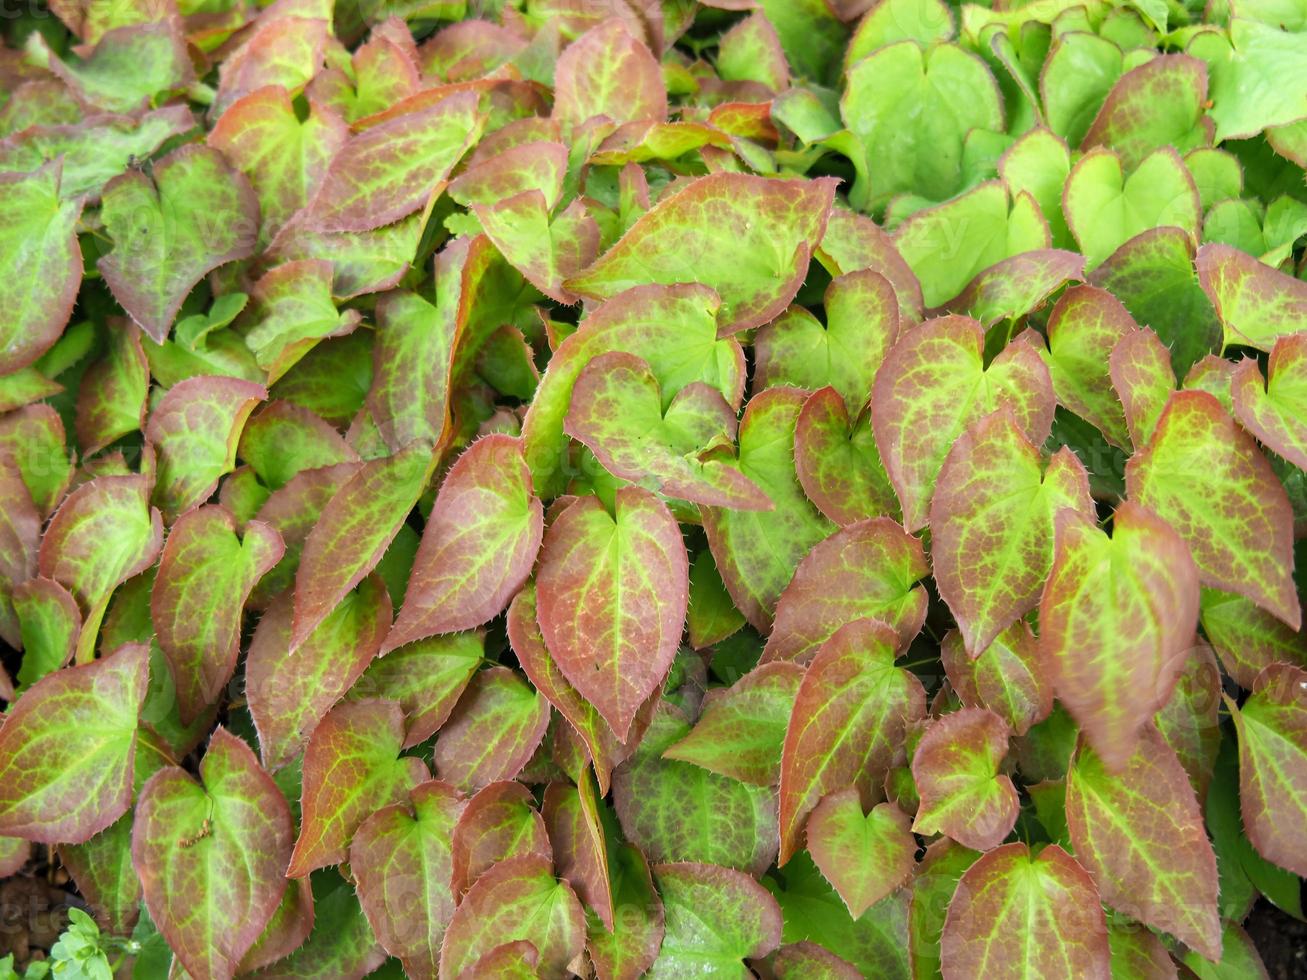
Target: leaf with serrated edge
[
  {"x": 516, "y": 899},
  {"x": 956, "y": 770},
  {"x": 205, "y": 575},
  {"x": 675, "y": 811},
  {"x": 580, "y": 852},
  {"x": 1025, "y": 916},
  {"x": 34, "y": 438},
  {"x": 1246, "y": 637},
  {"x": 211, "y": 855},
  {"x": 493, "y": 730},
  {"x": 289, "y": 693},
  {"x": 607, "y": 72},
  {"x": 478, "y": 547},
  {"x": 1190, "y": 721},
  {"x": 712, "y": 616},
  {"x": 50, "y": 624},
  {"x": 757, "y": 552},
  {"x": 400, "y": 857},
  {"x": 41, "y": 268},
  {"x": 391, "y": 169},
  {"x": 111, "y": 398},
  {"x": 850, "y": 714},
  {"x": 617, "y": 412},
  {"x": 808, "y": 961},
  {"x": 932, "y": 889},
  {"x": 283, "y": 439},
  {"x": 363, "y": 739},
  {"x": 1117, "y": 621},
  {"x": 864, "y": 856},
  {"x": 1009, "y": 678},
  {"x": 193, "y": 213},
  {"x": 104, "y": 533},
  {"x": 500, "y": 822},
  {"x": 750, "y": 238},
  {"x": 742, "y": 728},
  {"x": 1276, "y": 411},
  {"x": 67, "y": 748},
  {"x": 715, "y": 919},
  {"x": 837, "y": 461},
  {"x": 612, "y": 595},
  {"x": 1018, "y": 285},
  {"x": 1204, "y": 474},
  {"x": 1257, "y": 305},
  {"x": 862, "y": 323},
  {"x": 1083, "y": 328},
  {"x": 992, "y": 524},
  {"x": 866, "y": 570},
  {"x": 672, "y": 328},
  {"x": 20, "y": 542},
  {"x": 291, "y": 311},
  {"x": 605, "y": 750},
  {"x": 627, "y": 950},
  {"x": 354, "y": 531},
  {"x": 1140, "y": 368},
  {"x": 1272, "y": 728},
  {"x": 1140, "y": 835},
  {"x": 933, "y": 385},
  {"x": 195, "y": 429},
  {"x": 102, "y": 870},
  {"x": 1138, "y": 953}
]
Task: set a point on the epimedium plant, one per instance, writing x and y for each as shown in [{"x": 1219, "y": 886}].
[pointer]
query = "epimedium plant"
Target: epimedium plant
[{"x": 805, "y": 487}]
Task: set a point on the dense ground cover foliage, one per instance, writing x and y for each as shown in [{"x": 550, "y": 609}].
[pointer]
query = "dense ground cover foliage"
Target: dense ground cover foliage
[{"x": 623, "y": 488}]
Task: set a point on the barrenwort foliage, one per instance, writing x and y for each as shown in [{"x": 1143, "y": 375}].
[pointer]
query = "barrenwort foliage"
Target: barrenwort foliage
[{"x": 657, "y": 488}]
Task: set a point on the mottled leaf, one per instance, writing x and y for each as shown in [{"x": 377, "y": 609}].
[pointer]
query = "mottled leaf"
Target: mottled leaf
[
  {"x": 606, "y": 72},
  {"x": 865, "y": 856},
  {"x": 956, "y": 770},
  {"x": 715, "y": 919},
  {"x": 1009, "y": 678},
  {"x": 837, "y": 461},
  {"x": 1276, "y": 410},
  {"x": 498, "y": 823},
  {"x": 493, "y": 730},
  {"x": 112, "y": 395},
  {"x": 1140, "y": 368},
  {"x": 580, "y": 850},
  {"x": 1083, "y": 328}
]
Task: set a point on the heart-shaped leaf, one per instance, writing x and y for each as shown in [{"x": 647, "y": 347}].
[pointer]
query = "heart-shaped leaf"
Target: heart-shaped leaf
[
  {"x": 1276, "y": 411},
  {"x": 493, "y": 730},
  {"x": 715, "y": 919},
  {"x": 498, "y": 823},
  {"x": 865, "y": 856},
  {"x": 956, "y": 769}
]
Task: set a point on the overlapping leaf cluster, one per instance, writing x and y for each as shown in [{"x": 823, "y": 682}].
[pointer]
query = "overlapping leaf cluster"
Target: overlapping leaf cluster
[{"x": 549, "y": 487}]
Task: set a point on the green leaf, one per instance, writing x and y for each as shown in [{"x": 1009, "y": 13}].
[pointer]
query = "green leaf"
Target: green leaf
[
  {"x": 516, "y": 899},
  {"x": 289, "y": 693},
  {"x": 211, "y": 855},
  {"x": 1140, "y": 835},
  {"x": 498, "y": 823},
  {"x": 128, "y": 67},
  {"x": 1038, "y": 164},
  {"x": 912, "y": 109},
  {"x": 617, "y": 413},
  {"x": 1239, "y": 958},
  {"x": 104, "y": 533},
  {"x": 193, "y": 214},
  {"x": 1008, "y": 678},
  {"x": 1039, "y": 914},
  {"x": 628, "y": 949},
  {"x": 933, "y": 386},
  {"x": 956, "y": 770},
  {"x": 493, "y": 731},
  {"x": 408, "y": 404},
  {"x": 607, "y": 72},
  {"x": 1158, "y": 104},
  {"x": 546, "y": 251},
  {"x": 876, "y": 943},
  {"x": 947, "y": 245},
  {"x": 33, "y": 436},
  {"x": 1117, "y": 620},
  {"x": 853, "y": 242},
  {"x": 758, "y": 551},
  {"x": 675, "y": 811},
  {"x": 850, "y": 714},
  {"x": 862, "y": 323},
  {"x": 751, "y": 52},
  {"x": 715, "y": 919},
  {"x": 102, "y": 870},
  {"x": 50, "y": 624},
  {"x": 401, "y": 860},
  {"x": 354, "y": 531},
  {"x": 742, "y": 727},
  {"x": 1018, "y": 285},
  {"x": 478, "y": 546},
  {"x": 291, "y": 310},
  {"x": 205, "y": 575},
  {"x": 284, "y": 439},
  {"x": 1257, "y": 305},
  {"x": 932, "y": 888},
  {"x": 1250, "y": 74},
  {"x": 112, "y": 397},
  {"x": 1190, "y": 721},
  {"x": 865, "y": 857},
  {"x": 67, "y": 749},
  {"x": 393, "y": 168},
  {"x": 1140, "y": 367},
  {"x": 572, "y": 814},
  {"x": 1206, "y": 476},
  {"x": 869, "y": 569},
  {"x": 600, "y": 576},
  {"x": 712, "y": 616},
  {"x": 1272, "y": 728},
  {"x": 195, "y": 428},
  {"x": 1247, "y": 638},
  {"x": 363, "y": 739},
  {"x": 837, "y": 461},
  {"x": 992, "y": 524},
  {"x": 749, "y": 238},
  {"x": 284, "y": 157},
  {"x": 41, "y": 268},
  {"x": 1105, "y": 208},
  {"x": 1075, "y": 79}
]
